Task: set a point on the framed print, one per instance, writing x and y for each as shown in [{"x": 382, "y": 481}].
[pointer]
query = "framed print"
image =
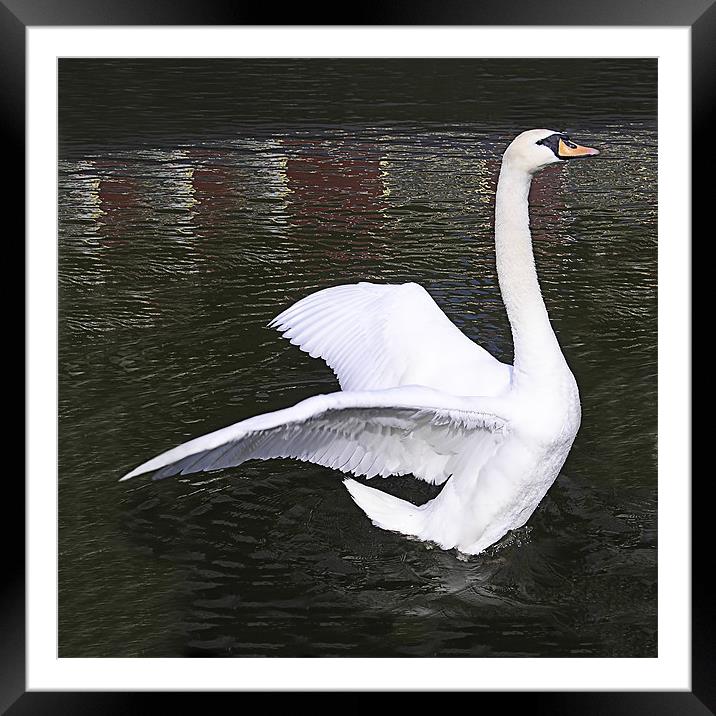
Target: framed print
[{"x": 194, "y": 175}]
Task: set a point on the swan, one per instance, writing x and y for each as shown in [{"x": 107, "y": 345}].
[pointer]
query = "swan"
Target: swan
[{"x": 417, "y": 396}]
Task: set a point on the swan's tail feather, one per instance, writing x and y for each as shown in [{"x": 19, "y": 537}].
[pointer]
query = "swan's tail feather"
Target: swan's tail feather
[{"x": 386, "y": 511}]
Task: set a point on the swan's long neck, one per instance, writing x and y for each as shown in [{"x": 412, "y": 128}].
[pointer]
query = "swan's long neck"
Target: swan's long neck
[{"x": 536, "y": 350}]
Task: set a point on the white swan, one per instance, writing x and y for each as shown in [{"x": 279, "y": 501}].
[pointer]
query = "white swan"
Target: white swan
[{"x": 417, "y": 396}]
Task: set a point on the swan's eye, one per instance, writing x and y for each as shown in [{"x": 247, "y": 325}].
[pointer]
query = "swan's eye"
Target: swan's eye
[{"x": 552, "y": 142}]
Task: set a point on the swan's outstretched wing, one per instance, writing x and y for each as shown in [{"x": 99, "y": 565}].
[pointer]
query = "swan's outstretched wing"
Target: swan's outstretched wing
[
  {"x": 403, "y": 430},
  {"x": 377, "y": 336}
]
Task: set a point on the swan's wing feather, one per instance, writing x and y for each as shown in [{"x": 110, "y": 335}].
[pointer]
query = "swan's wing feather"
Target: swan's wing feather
[
  {"x": 378, "y": 336},
  {"x": 399, "y": 431}
]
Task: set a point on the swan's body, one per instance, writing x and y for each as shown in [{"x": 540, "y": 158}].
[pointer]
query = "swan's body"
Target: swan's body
[{"x": 417, "y": 396}]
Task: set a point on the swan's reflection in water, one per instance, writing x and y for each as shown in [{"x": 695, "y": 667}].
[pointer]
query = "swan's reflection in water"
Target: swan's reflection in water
[{"x": 284, "y": 559}]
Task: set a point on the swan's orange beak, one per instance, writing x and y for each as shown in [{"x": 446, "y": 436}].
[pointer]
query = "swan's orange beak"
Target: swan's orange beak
[{"x": 570, "y": 150}]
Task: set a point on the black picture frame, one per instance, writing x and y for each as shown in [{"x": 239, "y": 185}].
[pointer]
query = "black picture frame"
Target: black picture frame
[{"x": 699, "y": 15}]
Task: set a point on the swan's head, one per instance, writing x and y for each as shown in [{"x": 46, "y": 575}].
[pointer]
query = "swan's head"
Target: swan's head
[{"x": 537, "y": 148}]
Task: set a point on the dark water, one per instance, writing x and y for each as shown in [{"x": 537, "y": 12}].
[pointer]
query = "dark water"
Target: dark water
[{"x": 199, "y": 199}]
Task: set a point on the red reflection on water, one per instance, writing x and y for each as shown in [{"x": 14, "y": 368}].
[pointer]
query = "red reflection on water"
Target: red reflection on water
[
  {"x": 117, "y": 190},
  {"x": 120, "y": 200},
  {"x": 335, "y": 186},
  {"x": 547, "y": 206},
  {"x": 213, "y": 180},
  {"x": 116, "y": 194}
]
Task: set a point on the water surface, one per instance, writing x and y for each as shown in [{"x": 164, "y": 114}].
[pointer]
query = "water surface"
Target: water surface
[{"x": 197, "y": 200}]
